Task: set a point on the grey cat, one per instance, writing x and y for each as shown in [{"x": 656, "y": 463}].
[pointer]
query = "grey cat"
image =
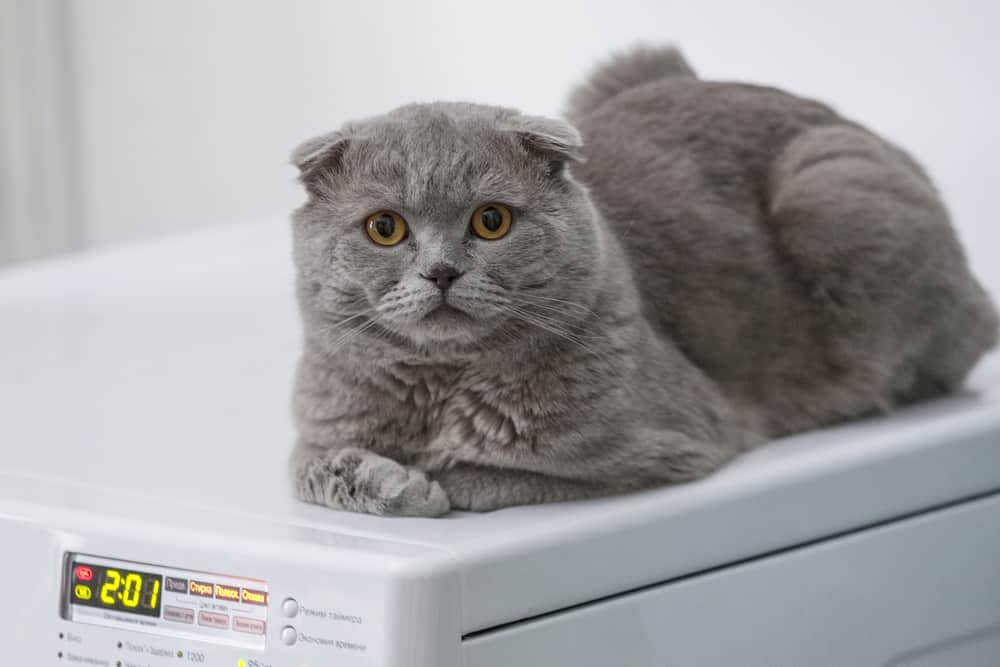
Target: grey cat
[{"x": 503, "y": 309}]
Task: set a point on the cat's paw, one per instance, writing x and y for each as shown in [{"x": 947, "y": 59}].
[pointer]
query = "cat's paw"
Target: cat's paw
[
  {"x": 361, "y": 481},
  {"x": 402, "y": 491}
]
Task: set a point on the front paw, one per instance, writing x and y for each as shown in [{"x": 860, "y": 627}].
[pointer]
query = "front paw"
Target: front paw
[
  {"x": 403, "y": 491},
  {"x": 361, "y": 481}
]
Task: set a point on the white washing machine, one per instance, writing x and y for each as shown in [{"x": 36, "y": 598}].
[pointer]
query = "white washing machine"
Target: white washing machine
[{"x": 146, "y": 519}]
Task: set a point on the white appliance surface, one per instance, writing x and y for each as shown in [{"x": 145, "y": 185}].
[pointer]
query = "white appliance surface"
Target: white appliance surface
[{"x": 146, "y": 388}]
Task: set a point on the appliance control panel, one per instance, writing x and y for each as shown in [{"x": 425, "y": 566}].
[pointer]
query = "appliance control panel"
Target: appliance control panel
[
  {"x": 125, "y": 613},
  {"x": 137, "y": 597},
  {"x": 165, "y": 601}
]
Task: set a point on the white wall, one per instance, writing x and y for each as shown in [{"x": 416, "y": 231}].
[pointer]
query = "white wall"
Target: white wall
[
  {"x": 185, "y": 111},
  {"x": 38, "y": 205}
]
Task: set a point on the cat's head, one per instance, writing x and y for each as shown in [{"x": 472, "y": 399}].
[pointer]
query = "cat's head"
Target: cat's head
[{"x": 445, "y": 222}]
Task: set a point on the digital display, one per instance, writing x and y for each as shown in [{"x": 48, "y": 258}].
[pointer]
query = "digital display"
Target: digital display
[
  {"x": 162, "y": 600},
  {"x": 121, "y": 589}
]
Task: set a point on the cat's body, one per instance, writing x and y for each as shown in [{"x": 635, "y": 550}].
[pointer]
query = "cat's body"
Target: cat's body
[
  {"x": 742, "y": 264},
  {"x": 861, "y": 299}
]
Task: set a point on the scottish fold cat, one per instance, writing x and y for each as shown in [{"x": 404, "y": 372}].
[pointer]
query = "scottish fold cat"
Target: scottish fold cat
[{"x": 503, "y": 309}]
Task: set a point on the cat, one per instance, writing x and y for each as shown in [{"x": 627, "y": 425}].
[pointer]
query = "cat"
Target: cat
[{"x": 505, "y": 309}]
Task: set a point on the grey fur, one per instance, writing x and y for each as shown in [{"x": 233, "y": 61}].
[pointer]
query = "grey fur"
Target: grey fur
[
  {"x": 730, "y": 263},
  {"x": 625, "y": 71}
]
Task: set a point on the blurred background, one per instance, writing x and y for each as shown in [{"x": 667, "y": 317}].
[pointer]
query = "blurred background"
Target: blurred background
[{"x": 125, "y": 119}]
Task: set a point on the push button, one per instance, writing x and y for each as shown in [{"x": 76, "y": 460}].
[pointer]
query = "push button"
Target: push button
[
  {"x": 251, "y": 626},
  {"x": 290, "y": 607},
  {"x": 211, "y": 619},
  {"x": 289, "y": 635},
  {"x": 178, "y": 614}
]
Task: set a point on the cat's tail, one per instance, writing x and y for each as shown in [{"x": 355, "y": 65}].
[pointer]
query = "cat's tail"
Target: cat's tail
[{"x": 638, "y": 66}]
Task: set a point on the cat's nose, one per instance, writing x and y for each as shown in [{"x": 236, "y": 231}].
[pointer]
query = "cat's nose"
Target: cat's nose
[{"x": 443, "y": 275}]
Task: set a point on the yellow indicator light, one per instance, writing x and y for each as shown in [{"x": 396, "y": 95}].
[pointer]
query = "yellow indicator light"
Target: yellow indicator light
[
  {"x": 82, "y": 592},
  {"x": 242, "y": 663}
]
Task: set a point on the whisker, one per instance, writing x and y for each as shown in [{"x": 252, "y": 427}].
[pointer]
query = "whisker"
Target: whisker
[
  {"x": 579, "y": 327},
  {"x": 556, "y": 310},
  {"x": 565, "y": 302},
  {"x": 551, "y": 327},
  {"x": 338, "y": 324},
  {"x": 347, "y": 337}
]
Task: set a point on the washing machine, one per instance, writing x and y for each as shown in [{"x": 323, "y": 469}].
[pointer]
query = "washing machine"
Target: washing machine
[{"x": 146, "y": 518}]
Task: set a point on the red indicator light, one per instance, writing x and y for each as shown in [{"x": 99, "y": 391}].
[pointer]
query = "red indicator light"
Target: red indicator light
[{"x": 84, "y": 573}]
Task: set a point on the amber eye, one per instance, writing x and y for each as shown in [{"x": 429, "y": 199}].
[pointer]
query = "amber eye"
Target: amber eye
[
  {"x": 386, "y": 227},
  {"x": 491, "y": 221}
]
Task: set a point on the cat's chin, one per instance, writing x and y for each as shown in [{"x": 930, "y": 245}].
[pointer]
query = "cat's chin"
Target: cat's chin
[
  {"x": 446, "y": 314},
  {"x": 446, "y": 324}
]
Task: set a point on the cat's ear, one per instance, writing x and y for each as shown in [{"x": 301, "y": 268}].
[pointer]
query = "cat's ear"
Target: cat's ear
[
  {"x": 554, "y": 140},
  {"x": 318, "y": 155}
]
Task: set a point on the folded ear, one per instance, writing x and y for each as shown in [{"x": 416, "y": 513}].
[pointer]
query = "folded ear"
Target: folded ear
[
  {"x": 320, "y": 153},
  {"x": 555, "y": 140}
]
